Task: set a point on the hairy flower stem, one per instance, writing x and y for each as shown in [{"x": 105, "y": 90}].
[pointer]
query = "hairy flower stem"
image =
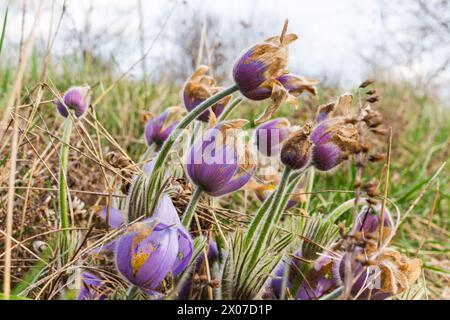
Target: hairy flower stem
[
  {"x": 63, "y": 212},
  {"x": 271, "y": 216},
  {"x": 132, "y": 292},
  {"x": 256, "y": 222},
  {"x": 226, "y": 113},
  {"x": 190, "y": 209},
  {"x": 176, "y": 133}
]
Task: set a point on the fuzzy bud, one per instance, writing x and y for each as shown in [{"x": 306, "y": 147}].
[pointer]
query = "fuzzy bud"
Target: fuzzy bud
[
  {"x": 297, "y": 150},
  {"x": 76, "y": 99}
]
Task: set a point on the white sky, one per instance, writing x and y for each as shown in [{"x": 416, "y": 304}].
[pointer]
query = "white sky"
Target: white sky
[{"x": 332, "y": 32}]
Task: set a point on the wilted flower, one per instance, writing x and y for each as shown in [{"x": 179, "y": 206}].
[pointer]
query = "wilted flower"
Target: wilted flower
[
  {"x": 262, "y": 73},
  {"x": 76, "y": 99},
  {"x": 158, "y": 129},
  {"x": 270, "y": 135},
  {"x": 92, "y": 288},
  {"x": 297, "y": 149},
  {"x": 334, "y": 138},
  {"x": 377, "y": 276},
  {"x": 200, "y": 87},
  {"x": 213, "y": 163}
]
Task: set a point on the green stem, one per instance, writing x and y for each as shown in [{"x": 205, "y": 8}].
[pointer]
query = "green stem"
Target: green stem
[
  {"x": 233, "y": 105},
  {"x": 289, "y": 190},
  {"x": 255, "y": 224},
  {"x": 132, "y": 292},
  {"x": 176, "y": 133},
  {"x": 63, "y": 212},
  {"x": 270, "y": 220},
  {"x": 190, "y": 209}
]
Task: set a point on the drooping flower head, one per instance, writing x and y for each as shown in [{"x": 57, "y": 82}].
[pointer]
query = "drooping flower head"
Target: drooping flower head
[
  {"x": 335, "y": 137},
  {"x": 297, "y": 149},
  {"x": 270, "y": 135},
  {"x": 262, "y": 73},
  {"x": 76, "y": 99},
  {"x": 200, "y": 87},
  {"x": 93, "y": 288},
  {"x": 158, "y": 129},
  {"x": 213, "y": 163},
  {"x": 150, "y": 250}
]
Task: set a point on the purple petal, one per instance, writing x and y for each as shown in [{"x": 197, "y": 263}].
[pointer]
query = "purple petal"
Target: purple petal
[
  {"x": 166, "y": 211},
  {"x": 162, "y": 247},
  {"x": 113, "y": 216},
  {"x": 232, "y": 185},
  {"x": 185, "y": 251},
  {"x": 326, "y": 156}
]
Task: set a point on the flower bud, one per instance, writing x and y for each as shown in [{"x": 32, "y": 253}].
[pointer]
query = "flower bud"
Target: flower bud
[
  {"x": 76, "y": 99},
  {"x": 297, "y": 149}
]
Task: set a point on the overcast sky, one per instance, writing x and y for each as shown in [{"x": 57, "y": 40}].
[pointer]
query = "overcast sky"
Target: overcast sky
[{"x": 333, "y": 34}]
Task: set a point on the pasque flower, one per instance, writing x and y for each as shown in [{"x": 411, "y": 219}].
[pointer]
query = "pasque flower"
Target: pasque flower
[
  {"x": 149, "y": 250},
  {"x": 158, "y": 129},
  {"x": 213, "y": 163},
  {"x": 377, "y": 275},
  {"x": 93, "y": 288},
  {"x": 76, "y": 99},
  {"x": 200, "y": 87},
  {"x": 261, "y": 73},
  {"x": 335, "y": 138},
  {"x": 270, "y": 135},
  {"x": 369, "y": 220}
]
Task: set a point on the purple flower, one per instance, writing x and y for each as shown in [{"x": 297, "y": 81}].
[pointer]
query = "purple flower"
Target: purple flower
[
  {"x": 213, "y": 166},
  {"x": 150, "y": 250},
  {"x": 158, "y": 129},
  {"x": 275, "y": 286},
  {"x": 318, "y": 281},
  {"x": 261, "y": 73},
  {"x": 270, "y": 135},
  {"x": 92, "y": 288},
  {"x": 200, "y": 87},
  {"x": 334, "y": 137},
  {"x": 369, "y": 220},
  {"x": 366, "y": 280},
  {"x": 76, "y": 99}
]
